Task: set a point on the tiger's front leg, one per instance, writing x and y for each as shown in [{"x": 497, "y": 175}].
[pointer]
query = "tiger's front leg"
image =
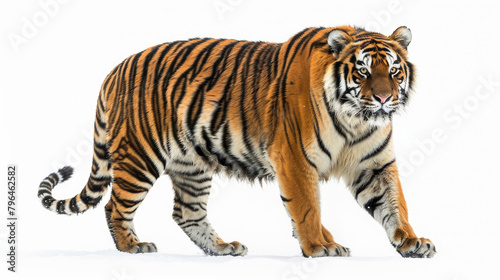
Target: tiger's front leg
[
  {"x": 379, "y": 192},
  {"x": 298, "y": 182}
]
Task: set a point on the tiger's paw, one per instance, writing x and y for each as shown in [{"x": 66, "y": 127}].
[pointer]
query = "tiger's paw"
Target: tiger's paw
[
  {"x": 416, "y": 248},
  {"x": 329, "y": 250},
  {"x": 141, "y": 247},
  {"x": 234, "y": 248}
]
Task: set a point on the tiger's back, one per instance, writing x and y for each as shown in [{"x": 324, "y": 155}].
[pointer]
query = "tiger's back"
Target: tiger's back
[
  {"x": 195, "y": 101},
  {"x": 254, "y": 110}
]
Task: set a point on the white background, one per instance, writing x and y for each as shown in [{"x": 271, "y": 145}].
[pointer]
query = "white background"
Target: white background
[{"x": 54, "y": 58}]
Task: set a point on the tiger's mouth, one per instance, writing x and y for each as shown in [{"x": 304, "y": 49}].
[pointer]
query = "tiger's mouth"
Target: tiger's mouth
[
  {"x": 376, "y": 109},
  {"x": 377, "y": 114},
  {"x": 352, "y": 106}
]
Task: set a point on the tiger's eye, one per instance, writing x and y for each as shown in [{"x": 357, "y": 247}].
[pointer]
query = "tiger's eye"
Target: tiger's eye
[
  {"x": 394, "y": 70},
  {"x": 363, "y": 71}
]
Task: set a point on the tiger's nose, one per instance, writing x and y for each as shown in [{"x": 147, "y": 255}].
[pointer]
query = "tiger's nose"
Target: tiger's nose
[{"x": 383, "y": 99}]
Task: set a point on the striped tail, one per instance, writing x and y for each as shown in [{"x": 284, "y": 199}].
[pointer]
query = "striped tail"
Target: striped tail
[{"x": 98, "y": 182}]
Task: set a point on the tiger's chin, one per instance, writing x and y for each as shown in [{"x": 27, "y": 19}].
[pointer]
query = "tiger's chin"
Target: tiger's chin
[
  {"x": 379, "y": 117},
  {"x": 380, "y": 120}
]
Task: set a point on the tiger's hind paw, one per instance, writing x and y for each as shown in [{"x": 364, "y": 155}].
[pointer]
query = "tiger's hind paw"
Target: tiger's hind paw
[
  {"x": 234, "y": 248},
  {"x": 416, "y": 248}
]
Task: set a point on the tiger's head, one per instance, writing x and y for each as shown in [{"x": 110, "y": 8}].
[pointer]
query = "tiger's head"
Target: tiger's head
[{"x": 371, "y": 78}]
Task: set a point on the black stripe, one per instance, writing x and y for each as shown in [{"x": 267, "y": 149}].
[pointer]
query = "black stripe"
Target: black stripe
[
  {"x": 191, "y": 193},
  {"x": 127, "y": 203},
  {"x": 183, "y": 77},
  {"x": 375, "y": 173},
  {"x": 305, "y": 215},
  {"x": 290, "y": 43},
  {"x": 304, "y": 152},
  {"x": 128, "y": 187},
  {"x": 372, "y": 49},
  {"x": 191, "y": 225},
  {"x": 379, "y": 149},
  {"x": 176, "y": 64},
  {"x": 374, "y": 202},
  {"x": 381, "y": 169},
  {"x": 410, "y": 76},
  {"x": 226, "y": 145},
  {"x": 386, "y": 218},
  {"x": 120, "y": 102},
  {"x": 100, "y": 122},
  {"x": 345, "y": 73},
  {"x": 336, "y": 124},
  {"x": 42, "y": 192},
  {"x": 199, "y": 63},
  {"x": 364, "y": 137},
  {"x": 101, "y": 179},
  {"x": 142, "y": 103},
  {"x": 303, "y": 42},
  {"x": 192, "y": 220},
  {"x": 129, "y": 97},
  {"x": 280, "y": 89},
  {"x": 47, "y": 201},
  {"x": 276, "y": 56},
  {"x": 285, "y": 199},
  {"x": 185, "y": 204},
  {"x": 194, "y": 110},
  {"x": 101, "y": 150},
  {"x": 95, "y": 188},
  {"x": 321, "y": 144},
  {"x": 243, "y": 108},
  {"x": 337, "y": 78},
  {"x": 90, "y": 201},
  {"x": 196, "y": 105},
  {"x": 61, "y": 207},
  {"x": 209, "y": 146},
  {"x": 159, "y": 99},
  {"x": 365, "y": 185},
  {"x": 53, "y": 179},
  {"x": 219, "y": 66},
  {"x": 145, "y": 158},
  {"x": 219, "y": 114},
  {"x": 259, "y": 60},
  {"x": 181, "y": 162},
  {"x": 199, "y": 180},
  {"x": 191, "y": 186},
  {"x": 73, "y": 206},
  {"x": 220, "y": 111},
  {"x": 321, "y": 43}
]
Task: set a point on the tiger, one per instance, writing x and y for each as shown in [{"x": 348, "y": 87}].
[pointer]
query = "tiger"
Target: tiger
[{"x": 317, "y": 106}]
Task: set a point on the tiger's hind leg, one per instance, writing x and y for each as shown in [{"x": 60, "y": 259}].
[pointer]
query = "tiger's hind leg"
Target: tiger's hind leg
[
  {"x": 192, "y": 189},
  {"x": 130, "y": 186}
]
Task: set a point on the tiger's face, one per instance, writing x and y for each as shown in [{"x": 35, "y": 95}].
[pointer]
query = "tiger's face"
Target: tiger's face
[{"x": 371, "y": 78}]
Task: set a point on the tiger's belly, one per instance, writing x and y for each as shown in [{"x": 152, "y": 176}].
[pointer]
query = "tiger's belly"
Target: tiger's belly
[{"x": 229, "y": 150}]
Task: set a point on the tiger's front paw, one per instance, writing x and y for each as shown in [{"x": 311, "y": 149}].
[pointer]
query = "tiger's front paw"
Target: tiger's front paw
[
  {"x": 332, "y": 250},
  {"x": 416, "y": 248},
  {"x": 141, "y": 247}
]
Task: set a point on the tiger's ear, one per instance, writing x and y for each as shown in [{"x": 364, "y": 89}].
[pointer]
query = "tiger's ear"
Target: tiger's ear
[
  {"x": 338, "y": 39},
  {"x": 402, "y": 35}
]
